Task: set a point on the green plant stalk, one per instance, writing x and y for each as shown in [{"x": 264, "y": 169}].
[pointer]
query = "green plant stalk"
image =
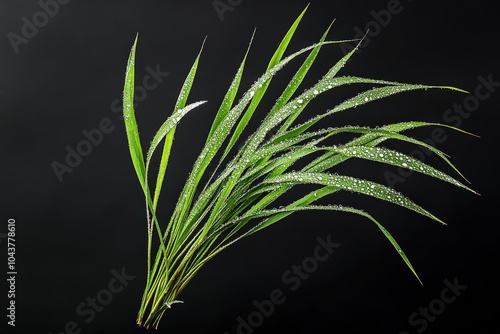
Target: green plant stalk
[{"x": 259, "y": 172}]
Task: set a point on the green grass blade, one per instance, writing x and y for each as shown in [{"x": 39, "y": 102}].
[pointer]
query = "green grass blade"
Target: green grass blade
[
  {"x": 352, "y": 184},
  {"x": 395, "y": 158},
  {"x": 169, "y": 138},
  {"x": 383, "y": 92},
  {"x": 273, "y": 212},
  {"x": 259, "y": 93},
  {"x": 132, "y": 130},
  {"x": 230, "y": 96}
]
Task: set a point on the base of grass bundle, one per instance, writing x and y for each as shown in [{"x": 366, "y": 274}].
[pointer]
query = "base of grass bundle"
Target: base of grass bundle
[{"x": 239, "y": 198}]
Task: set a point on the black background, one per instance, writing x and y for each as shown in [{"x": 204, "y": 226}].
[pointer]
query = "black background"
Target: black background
[{"x": 72, "y": 234}]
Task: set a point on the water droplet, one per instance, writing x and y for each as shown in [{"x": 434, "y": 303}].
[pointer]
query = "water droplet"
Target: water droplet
[
  {"x": 300, "y": 101},
  {"x": 316, "y": 92}
]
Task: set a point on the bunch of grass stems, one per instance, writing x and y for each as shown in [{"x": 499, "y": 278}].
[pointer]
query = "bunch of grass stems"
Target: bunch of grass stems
[{"x": 238, "y": 198}]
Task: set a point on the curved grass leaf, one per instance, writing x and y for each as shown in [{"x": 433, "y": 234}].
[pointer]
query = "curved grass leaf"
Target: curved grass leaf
[
  {"x": 390, "y": 238},
  {"x": 395, "y": 158},
  {"x": 132, "y": 131},
  {"x": 352, "y": 184},
  {"x": 179, "y": 105}
]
